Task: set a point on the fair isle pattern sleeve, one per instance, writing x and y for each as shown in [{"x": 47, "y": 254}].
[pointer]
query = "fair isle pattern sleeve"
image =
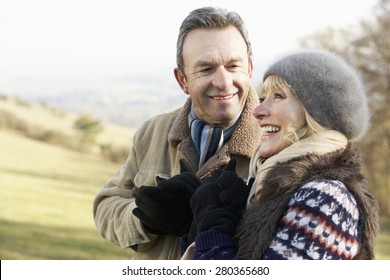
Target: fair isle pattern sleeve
[{"x": 320, "y": 223}]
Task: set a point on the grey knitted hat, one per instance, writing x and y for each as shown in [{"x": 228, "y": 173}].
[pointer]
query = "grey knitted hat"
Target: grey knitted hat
[{"x": 330, "y": 89}]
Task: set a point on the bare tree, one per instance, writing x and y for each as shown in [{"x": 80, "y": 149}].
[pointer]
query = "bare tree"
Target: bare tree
[
  {"x": 88, "y": 128},
  {"x": 367, "y": 47}
]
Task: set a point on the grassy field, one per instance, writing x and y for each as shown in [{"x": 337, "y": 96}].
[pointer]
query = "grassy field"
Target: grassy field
[
  {"x": 382, "y": 248},
  {"x": 46, "y": 204}
]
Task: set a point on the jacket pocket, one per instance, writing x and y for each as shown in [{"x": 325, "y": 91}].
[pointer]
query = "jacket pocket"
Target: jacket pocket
[{"x": 149, "y": 178}]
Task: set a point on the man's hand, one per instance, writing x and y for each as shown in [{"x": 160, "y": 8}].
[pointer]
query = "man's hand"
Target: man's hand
[{"x": 165, "y": 208}]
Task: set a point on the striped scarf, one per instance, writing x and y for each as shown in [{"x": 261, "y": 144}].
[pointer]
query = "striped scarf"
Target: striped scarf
[{"x": 208, "y": 139}]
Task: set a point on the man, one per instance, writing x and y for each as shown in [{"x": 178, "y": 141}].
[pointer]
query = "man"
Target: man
[{"x": 145, "y": 206}]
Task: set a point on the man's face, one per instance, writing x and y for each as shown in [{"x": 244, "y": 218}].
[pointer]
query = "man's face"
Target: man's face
[{"x": 217, "y": 73}]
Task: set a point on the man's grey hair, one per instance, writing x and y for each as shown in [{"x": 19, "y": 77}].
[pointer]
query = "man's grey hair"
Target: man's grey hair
[{"x": 208, "y": 18}]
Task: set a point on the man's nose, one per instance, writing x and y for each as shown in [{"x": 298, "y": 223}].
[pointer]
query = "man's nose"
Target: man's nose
[{"x": 222, "y": 78}]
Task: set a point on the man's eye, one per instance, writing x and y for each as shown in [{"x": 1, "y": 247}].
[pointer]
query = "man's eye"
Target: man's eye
[
  {"x": 206, "y": 69},
  {"x": 234, "y": 66}
]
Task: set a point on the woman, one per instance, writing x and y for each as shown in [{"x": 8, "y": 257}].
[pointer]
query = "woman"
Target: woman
[{"x": 309, "y": 199}]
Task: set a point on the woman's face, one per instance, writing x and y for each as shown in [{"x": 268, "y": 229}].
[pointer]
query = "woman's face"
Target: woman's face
[{"x": 279, "y": 113}]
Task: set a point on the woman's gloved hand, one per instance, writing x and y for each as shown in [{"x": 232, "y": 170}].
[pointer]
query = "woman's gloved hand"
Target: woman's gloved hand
[{"x": 219, "y": 202}]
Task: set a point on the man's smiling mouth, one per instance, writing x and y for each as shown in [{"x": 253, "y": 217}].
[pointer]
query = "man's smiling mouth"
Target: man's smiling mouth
[{"x": 226, "y": 97}]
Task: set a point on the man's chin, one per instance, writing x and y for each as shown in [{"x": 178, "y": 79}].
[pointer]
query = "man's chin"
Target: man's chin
[{"x": 226, "y": 121}]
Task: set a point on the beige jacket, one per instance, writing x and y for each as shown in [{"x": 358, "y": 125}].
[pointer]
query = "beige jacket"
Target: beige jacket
[{"x": 158, "y": 145}]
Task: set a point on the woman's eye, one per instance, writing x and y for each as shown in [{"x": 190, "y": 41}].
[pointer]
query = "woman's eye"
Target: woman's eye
[
  {"x": 261, "y": 99},
  {"x": 278, "y": 95}
]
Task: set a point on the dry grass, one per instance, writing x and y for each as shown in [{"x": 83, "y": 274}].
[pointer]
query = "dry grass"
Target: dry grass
[{"x": 47, "y": 195}]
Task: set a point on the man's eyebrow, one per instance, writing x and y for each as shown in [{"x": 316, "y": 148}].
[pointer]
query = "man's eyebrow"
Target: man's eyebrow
[{"x": 202, "y": 63}]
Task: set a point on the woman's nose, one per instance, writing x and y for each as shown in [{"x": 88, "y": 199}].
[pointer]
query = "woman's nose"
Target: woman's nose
[{"x": 261, "y": 110}]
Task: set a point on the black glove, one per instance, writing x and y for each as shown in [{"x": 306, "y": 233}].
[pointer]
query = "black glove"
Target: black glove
[
  {"x": 165, "y": 208},
  {"x": 234, "y": 191},
  {"x": 205, "y": 199},
  {"x": 219, "y": 202},
  {"x": 208, "y": 180}
]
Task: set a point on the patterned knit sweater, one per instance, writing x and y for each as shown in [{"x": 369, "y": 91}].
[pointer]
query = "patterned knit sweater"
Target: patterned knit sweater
[{"x": 321, "y": 223}]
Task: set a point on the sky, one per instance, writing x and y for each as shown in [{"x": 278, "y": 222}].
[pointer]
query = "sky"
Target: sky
[{"x": 53, "y": 46}]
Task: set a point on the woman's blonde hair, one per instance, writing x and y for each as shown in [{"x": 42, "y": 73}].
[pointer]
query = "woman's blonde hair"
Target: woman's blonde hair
[{"x": 275, "y": 83}]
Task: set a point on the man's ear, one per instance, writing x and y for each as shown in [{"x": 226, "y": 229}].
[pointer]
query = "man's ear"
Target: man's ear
[
  {"x": 181, "y": 80},
  {"x": 250, "y": 69}
]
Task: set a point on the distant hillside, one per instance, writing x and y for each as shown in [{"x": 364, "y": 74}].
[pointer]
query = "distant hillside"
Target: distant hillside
[
  {"x": 53, "y": 118},
  {"x": 124, "y": 101}
]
